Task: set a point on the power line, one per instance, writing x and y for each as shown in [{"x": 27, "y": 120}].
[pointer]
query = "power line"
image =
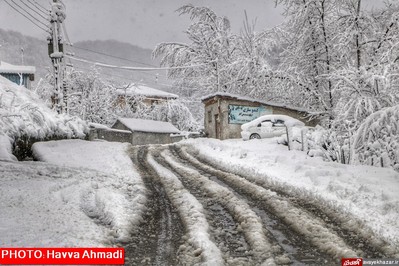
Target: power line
[
  {"x": 135, "y": 68},
  {"x": 44, "y": 29},
  {"x": 37, "y": 4},
  {"x": 88, "y": 61},
  {"x": 113, "y": 75},
  {"x": 113, "y": 56},
  {"x": 33, "y": 9},
  {"x": 135, "y": 80},
  {"x": 35, "y": 18}
]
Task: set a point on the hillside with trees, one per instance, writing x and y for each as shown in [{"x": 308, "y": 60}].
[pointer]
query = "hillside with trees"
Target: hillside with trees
[{"x": 110, "y": 52}]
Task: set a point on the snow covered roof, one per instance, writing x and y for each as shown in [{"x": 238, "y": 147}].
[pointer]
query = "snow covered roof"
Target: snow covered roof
[
  {"x": 8, "y": 68},
  {"x": 141, "y": 90},
  {"x": 244, "y": 98},
  {"x": 153, "y": 126}
]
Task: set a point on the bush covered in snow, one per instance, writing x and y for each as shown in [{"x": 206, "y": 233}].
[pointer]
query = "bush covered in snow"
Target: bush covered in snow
[
  {"x": 24, "y": 116},
  {"x": 376, "y": 142}
]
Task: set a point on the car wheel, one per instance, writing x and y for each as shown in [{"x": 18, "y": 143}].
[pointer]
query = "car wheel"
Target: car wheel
[{"x": 254, "y": 136}]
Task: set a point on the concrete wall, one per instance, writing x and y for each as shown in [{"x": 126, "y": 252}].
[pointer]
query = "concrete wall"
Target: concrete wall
[
  {"x": 112, "y": 135},
  {"x": 143, "y": 138},
  {"x": 221, "y": 129},
  {"x": 220, "y": 108}
]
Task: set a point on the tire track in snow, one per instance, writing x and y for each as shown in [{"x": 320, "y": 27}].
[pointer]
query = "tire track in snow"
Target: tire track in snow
[
  {"x": 349, "y": 228},
  {"x": 299, "y": 220},
  {"x": 285, "y": 241},
  {"x": 193, "y": 217},
  {"x": 287, "y": 245},
  {"x": 212, "y": 194},
  {"x": 156, "y": 240}
]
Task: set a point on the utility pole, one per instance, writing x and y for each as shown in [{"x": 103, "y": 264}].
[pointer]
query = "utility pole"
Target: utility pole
[
  {"x": 22, "y": 54},
  {"x": 56, "y": 53}
]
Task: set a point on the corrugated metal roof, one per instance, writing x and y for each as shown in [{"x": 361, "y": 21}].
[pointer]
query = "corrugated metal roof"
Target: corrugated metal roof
[{"x": 14, "y": 69}]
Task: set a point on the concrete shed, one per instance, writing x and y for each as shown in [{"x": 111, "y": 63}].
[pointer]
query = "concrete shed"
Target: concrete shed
[
  {"x": 225, "y": 113},
  {"x": 147, "y": 131}
]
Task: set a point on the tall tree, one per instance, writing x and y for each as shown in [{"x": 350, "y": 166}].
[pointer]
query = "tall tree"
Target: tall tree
[
  {"x": 307, "y": 60},
  {"x": 202, "y": 62}
]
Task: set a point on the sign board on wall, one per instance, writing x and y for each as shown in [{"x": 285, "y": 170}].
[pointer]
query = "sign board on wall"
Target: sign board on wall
[{"x": 240, "y": 114}]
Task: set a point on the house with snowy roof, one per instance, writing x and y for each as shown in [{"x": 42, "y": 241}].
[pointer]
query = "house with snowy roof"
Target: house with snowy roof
[
  {"x": 225, "y": 113},
  {"x": 147, "y": 131},
  {"x": 21, "y": 75},
  {"x": 147, "y": 95}
]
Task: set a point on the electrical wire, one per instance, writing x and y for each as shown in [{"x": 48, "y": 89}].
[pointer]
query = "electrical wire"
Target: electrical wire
[
  {"x": 133, "y": 80},
  {"x": 135, "y": 68},
  {"x": 113, "y": 56},
  {"x": 88, "y": 61},
  {"x": 37, "y": 4},
  {"x": 35, "y": 18},
  {"x": 72, "y": 47},
  {"x": 33, "y": 10},
  {"x": 44, "y": 29},
  {"x": 45, "y": 12}
]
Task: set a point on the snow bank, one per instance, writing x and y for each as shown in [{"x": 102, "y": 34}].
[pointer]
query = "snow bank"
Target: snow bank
[
  {"x": 6, "y": 149},
  {"x": 23, "y": 114},
  {"x": 117, "y": 200},
  {"x": 40, "y": 205},
  {"x": 367, "y": 193}
]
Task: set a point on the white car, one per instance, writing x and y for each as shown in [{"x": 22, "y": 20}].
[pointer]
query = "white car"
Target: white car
[{"x": 268, "y": 126}]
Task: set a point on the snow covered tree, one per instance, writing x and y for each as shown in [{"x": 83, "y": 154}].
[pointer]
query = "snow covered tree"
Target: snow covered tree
[
  {"x": 306, "y": 62},
  {"x": 341, "y": 60},
  {"x": 247, "y": 71},
  {"x": 376, "y": 142},
  {"x": 177, "y": 113},
  {"x": 202, "y": 62},
  {"x": 368, "y": 80},
  {"x": 173, "y": 111},
  {"x": 89, "y": 97}
]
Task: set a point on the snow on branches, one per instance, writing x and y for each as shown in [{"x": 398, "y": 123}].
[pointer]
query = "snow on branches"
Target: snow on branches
[
  {"x": 376, "y": 142},
  {"x": 24, "y": 115}
]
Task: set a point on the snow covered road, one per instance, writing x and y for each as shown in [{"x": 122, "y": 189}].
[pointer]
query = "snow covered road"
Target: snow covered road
[
  {"x": 206, "y": 215},
  {"x": 199, "y": 202}
]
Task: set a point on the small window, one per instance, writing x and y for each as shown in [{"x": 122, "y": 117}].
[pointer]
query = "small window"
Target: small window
[
  {"x": 209, "y": 116},
  {"x": 279, "y": 123}
]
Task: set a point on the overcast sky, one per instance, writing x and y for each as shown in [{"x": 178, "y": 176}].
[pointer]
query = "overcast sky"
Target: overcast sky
[{"x": 141, "y": 22}]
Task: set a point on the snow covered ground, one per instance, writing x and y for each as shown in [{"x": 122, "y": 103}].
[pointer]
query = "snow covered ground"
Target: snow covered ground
[
  {"x": 84, "y": 194},
  {"x": 90, "y": 193},
  {"x": 368, "y": 193}
]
